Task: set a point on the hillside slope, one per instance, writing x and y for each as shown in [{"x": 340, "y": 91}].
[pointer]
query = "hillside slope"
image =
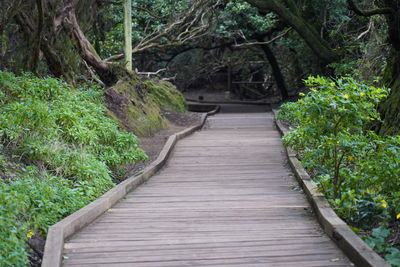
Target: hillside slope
[{"x": 61, "y": 147}]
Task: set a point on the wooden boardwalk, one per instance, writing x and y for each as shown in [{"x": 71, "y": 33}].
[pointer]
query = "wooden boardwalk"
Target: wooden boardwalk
[{"x": 225, "y": 198}]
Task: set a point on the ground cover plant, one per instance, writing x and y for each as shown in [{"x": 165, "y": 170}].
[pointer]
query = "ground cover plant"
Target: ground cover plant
[
  {"x": 358, "y": 170},
  {"x": 58, "y": 152}
]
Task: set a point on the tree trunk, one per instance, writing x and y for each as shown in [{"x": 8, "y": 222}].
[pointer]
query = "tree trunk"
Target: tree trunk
[
  {"x": 128, "y": 33},
  {"x": 276, "y": 71},
  {"x": 390, "y": 108},
  {"x": 54, "y": 62},
  {"x": 318, "y": 45},
  {"x": 108, "y": 73},
  {"x": 36, "y": 56}
]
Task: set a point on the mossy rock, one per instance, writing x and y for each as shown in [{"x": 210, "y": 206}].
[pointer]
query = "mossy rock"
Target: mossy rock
[
  {"x": 166, "y": 95},
  {"x": 129, "y": 102}
]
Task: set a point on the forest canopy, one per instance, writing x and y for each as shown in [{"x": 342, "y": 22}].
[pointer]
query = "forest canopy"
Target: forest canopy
[{"x": 84, "y": 40}]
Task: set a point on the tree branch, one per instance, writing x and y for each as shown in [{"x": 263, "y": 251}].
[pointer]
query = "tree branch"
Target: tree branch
[
  {"x": 190, "y": 25},
  {"x": 151, "y": 13},
  {"x": 148, "y": 74},
  {"x": 267, "y": 42},
  {"x": 371, "y": 12},
  {"x": 63, "y": 14},
  {"x": 367, "y": 31},
  {"x": 106, "y": 72}
]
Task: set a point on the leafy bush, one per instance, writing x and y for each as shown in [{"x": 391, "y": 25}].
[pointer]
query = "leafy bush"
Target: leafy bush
[
  {"x": 31, "y": 205},
  {"x": 355, "y": 168},
  {"x": 377, "y": 241},
  {"x": 289, "y": 112},
  {"x": 64, "y": 131}
]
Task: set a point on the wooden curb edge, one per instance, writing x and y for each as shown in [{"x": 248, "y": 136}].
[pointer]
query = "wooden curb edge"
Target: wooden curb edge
[
  {"x": 256, "y": 103},
  {"x": 349, "y": 242},
  {"x": 52, "y": 256}
]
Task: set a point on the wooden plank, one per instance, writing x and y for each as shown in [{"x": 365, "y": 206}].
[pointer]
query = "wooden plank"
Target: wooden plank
[
  {"x": 211, "y": 254},
  {"x": 325, "y": 259},
  {"x": 225, "y": 198}
]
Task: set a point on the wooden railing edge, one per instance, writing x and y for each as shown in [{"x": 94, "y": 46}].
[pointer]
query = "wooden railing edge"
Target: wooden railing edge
[
  {"x": 53, "y": 252},
  {"x": 348, "y": 241}
]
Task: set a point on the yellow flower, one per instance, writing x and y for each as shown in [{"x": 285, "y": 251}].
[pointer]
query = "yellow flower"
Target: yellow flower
[
  {"x": 362, "y": 94},
  {"x": 346, "y": 96},
  {"x": 384, "y": 204},
  {"x": 30, "y": 234},
  {"x": 350, "y": 158},
  {"x": 398, "y": 216}
]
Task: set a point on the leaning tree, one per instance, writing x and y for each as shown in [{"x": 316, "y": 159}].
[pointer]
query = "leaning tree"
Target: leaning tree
[{"x": 60, "y": 33}]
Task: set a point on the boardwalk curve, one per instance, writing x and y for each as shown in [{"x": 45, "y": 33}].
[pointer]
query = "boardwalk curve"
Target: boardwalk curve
[{"x": 225, "y": 198}]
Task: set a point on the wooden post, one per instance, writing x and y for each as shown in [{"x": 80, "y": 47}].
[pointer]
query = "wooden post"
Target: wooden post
[
  {"x": 229, "y": 77},
  {"x": 128, "y": 33}
]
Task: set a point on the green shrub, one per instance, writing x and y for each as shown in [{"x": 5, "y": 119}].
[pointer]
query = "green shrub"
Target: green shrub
[
  {"x": 355, "y": 168},
  {"x": 65, "y": 132},
  {"x": 31, "y": 205},
  {"x": 290, "y": 113}
]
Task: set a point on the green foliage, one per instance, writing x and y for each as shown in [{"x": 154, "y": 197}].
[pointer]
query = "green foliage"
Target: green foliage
[
  {"x": 378, "y": 241},
  {"x": 31, "y": 204},
  {"x": 143, "y": 24},
  {"x": 65, "y": 131},
  {"x": 289, "y": 112},
  {"x": 355, "y": 168},
  {"x": 240, "y": 16}
]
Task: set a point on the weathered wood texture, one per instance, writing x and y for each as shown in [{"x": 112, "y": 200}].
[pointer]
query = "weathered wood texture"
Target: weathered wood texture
[{"x": 225, "y": 198}]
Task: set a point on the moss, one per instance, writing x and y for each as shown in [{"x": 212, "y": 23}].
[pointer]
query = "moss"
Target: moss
[
  {"x": 135, "y": 109},
  {"x": 137, "y": 104},
  {"x": 166, "y": 95}
]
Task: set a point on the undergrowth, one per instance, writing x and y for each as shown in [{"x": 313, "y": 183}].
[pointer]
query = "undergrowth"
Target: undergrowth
[
  {"x": 69, "y": 151},
  {"x": 358, "y": 170}
]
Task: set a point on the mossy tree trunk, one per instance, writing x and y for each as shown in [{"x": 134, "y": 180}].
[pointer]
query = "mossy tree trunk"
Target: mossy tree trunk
[
  {"x": 108, "y": 73},
  {"x": 390, "y": 108},
  {"x": 54, "y": 61},
  {"x": 59, "y": 37}
]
